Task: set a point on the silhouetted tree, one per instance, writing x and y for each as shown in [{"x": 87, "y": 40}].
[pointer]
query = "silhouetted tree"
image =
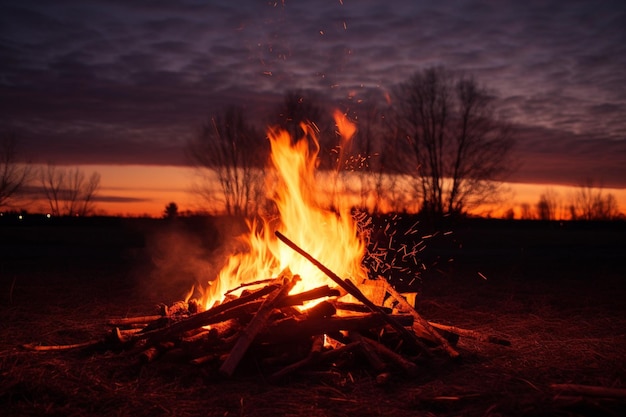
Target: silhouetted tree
[
  {"x": 231, "y": 149},
  {"x": 171, "y": 211},
  {"x": 547, "y": 206},
  {"x": 13, "y": 176},
  {"x": 458, "y": 147},
  {"x": 590, "y": 203},
  {"x": 68, "y": 191}
]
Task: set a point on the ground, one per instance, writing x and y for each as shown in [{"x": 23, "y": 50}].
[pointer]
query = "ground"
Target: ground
[{"x": 554, "y": 290}]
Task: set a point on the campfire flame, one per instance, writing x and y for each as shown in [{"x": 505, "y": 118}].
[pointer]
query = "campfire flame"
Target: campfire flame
[{"x": 325, "y": 229}]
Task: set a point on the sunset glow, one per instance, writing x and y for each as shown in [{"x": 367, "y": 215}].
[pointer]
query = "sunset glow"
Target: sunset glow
[{"x": 146, "y": 190}]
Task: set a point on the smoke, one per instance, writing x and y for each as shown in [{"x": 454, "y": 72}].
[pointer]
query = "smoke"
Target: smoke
[{"x": 186, "y": 253}]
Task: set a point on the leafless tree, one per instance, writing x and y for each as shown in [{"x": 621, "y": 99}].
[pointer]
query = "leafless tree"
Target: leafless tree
[
  {"x": 68, "y": 191},
  {"x": 590, "y": 203},
  {"x": 526, "y": 212},
  {"x": 232, "y": 150},
  {"x": 456, "y": 143},
  {"x": 13, "y": 176},
  {"x": 548, "y": 206}
]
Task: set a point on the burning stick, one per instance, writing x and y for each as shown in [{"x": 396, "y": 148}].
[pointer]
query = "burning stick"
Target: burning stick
[
  {"x": 421, "y": 324},
  {"x": 203, "y": 319},
  {"x": 255, "y": 326},
  {"x": 356, "y": 293}
]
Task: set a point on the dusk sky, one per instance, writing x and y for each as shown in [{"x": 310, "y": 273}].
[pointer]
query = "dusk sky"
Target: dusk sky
[{"x": 129, "y": 82}]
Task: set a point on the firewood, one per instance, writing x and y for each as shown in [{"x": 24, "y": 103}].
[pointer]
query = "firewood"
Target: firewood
[
  {"x": 294, "y": 328},
  {"x": 372, "y": 357},
  {"x": 257, "y": 324},
  {"x": 316, "y": 357},
  {"x": 421, "y": 326},
  {"x": 409, "y": 367},
  {"x": 314, "y": 294},
  {"x": 472, "y": 334},
  {"x": 316, "y": 348},
  {"x": 348, "y": 286},
  {"x": 321, "y": 310},
  {"x": 356, "y": 307},
  {"x": 33, "y": 346},
  {"x": 214, "y": 315},
  {"x": 132, "y": 320},
  {"x": 249, "y": 284}
]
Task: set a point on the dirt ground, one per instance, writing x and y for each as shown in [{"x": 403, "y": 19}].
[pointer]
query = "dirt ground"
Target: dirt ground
[{"x": 555, "y": 291}]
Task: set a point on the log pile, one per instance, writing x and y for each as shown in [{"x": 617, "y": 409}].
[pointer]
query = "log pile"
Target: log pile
[{"x": 264, "y": 327}]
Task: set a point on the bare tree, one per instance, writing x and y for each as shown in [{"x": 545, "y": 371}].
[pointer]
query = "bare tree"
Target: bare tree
[
  {"x": 589, "y": 203},
  {"x": 548, "y": 206},
  {"x": 458, "y": 146},
  {"x": 68, "y": 191},
  {"x": 13, "y": 176},
  {"x": 231, "y": 149}
]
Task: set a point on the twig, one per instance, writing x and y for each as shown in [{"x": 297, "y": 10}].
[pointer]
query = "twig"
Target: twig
[
  {"x": 422, "y": 324},
  {"x": 356, "y": 293},
  {"x": 33, "y": 346}
]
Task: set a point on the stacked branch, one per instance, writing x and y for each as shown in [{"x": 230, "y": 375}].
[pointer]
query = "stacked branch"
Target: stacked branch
[{"x": 266, "y": 325}]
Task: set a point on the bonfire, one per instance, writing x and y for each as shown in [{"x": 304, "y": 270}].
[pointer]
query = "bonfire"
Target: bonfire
[{"x": 299, "y": 299}]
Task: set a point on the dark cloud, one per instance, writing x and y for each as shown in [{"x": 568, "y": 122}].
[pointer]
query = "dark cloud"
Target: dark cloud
[{"x": 128, "y": 81}]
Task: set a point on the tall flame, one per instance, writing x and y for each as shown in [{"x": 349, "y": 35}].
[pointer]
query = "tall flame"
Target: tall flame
[{"x": 331, "y": 236}]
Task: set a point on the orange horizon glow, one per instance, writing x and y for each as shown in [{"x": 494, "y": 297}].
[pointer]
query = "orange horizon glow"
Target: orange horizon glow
[{"x": 145, "y": 191}]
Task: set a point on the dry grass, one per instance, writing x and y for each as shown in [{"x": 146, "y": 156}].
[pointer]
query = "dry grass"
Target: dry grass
[{"x": 566, "y": 324}]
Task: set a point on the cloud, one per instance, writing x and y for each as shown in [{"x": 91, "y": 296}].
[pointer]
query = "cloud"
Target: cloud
[{"x": 127, "y": 82}]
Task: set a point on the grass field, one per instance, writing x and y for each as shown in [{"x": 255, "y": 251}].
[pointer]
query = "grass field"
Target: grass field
[{"x": 555, "y": 290}]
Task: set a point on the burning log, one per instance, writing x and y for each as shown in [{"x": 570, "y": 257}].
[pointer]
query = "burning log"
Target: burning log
[
  {"x": 351, "y": 289},
  {"x": 214, "y": 315},
  {"x": 259, "y": 321},
  {"x": 293, "y": 328}
]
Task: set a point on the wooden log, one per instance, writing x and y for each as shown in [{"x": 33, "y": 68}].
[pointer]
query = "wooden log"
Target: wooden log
[
  {"x": 316, "y": 348},
  {"x": 314, "y": 294},
  {"x": 368, "y": 351},
  {"x": 349, "y": 287},
  {"x": 316, "y": 358},
  {"x": 472, "y": 334},
  {"x": 409, "y": 367},
  {"x": 214, "y": 315},
  {"x": 257, "y": 324},
  {"x": 321, "y": 310},
  {"x": 421, "y": 326},
  {"x": 356, "y": 307},
  {"x": 128, "y": 321},
  {"x": 294, "y": 328}
]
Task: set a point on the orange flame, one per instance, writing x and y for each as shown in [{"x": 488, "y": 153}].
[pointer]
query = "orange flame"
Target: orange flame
[{"x": 331, "y": 236}]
